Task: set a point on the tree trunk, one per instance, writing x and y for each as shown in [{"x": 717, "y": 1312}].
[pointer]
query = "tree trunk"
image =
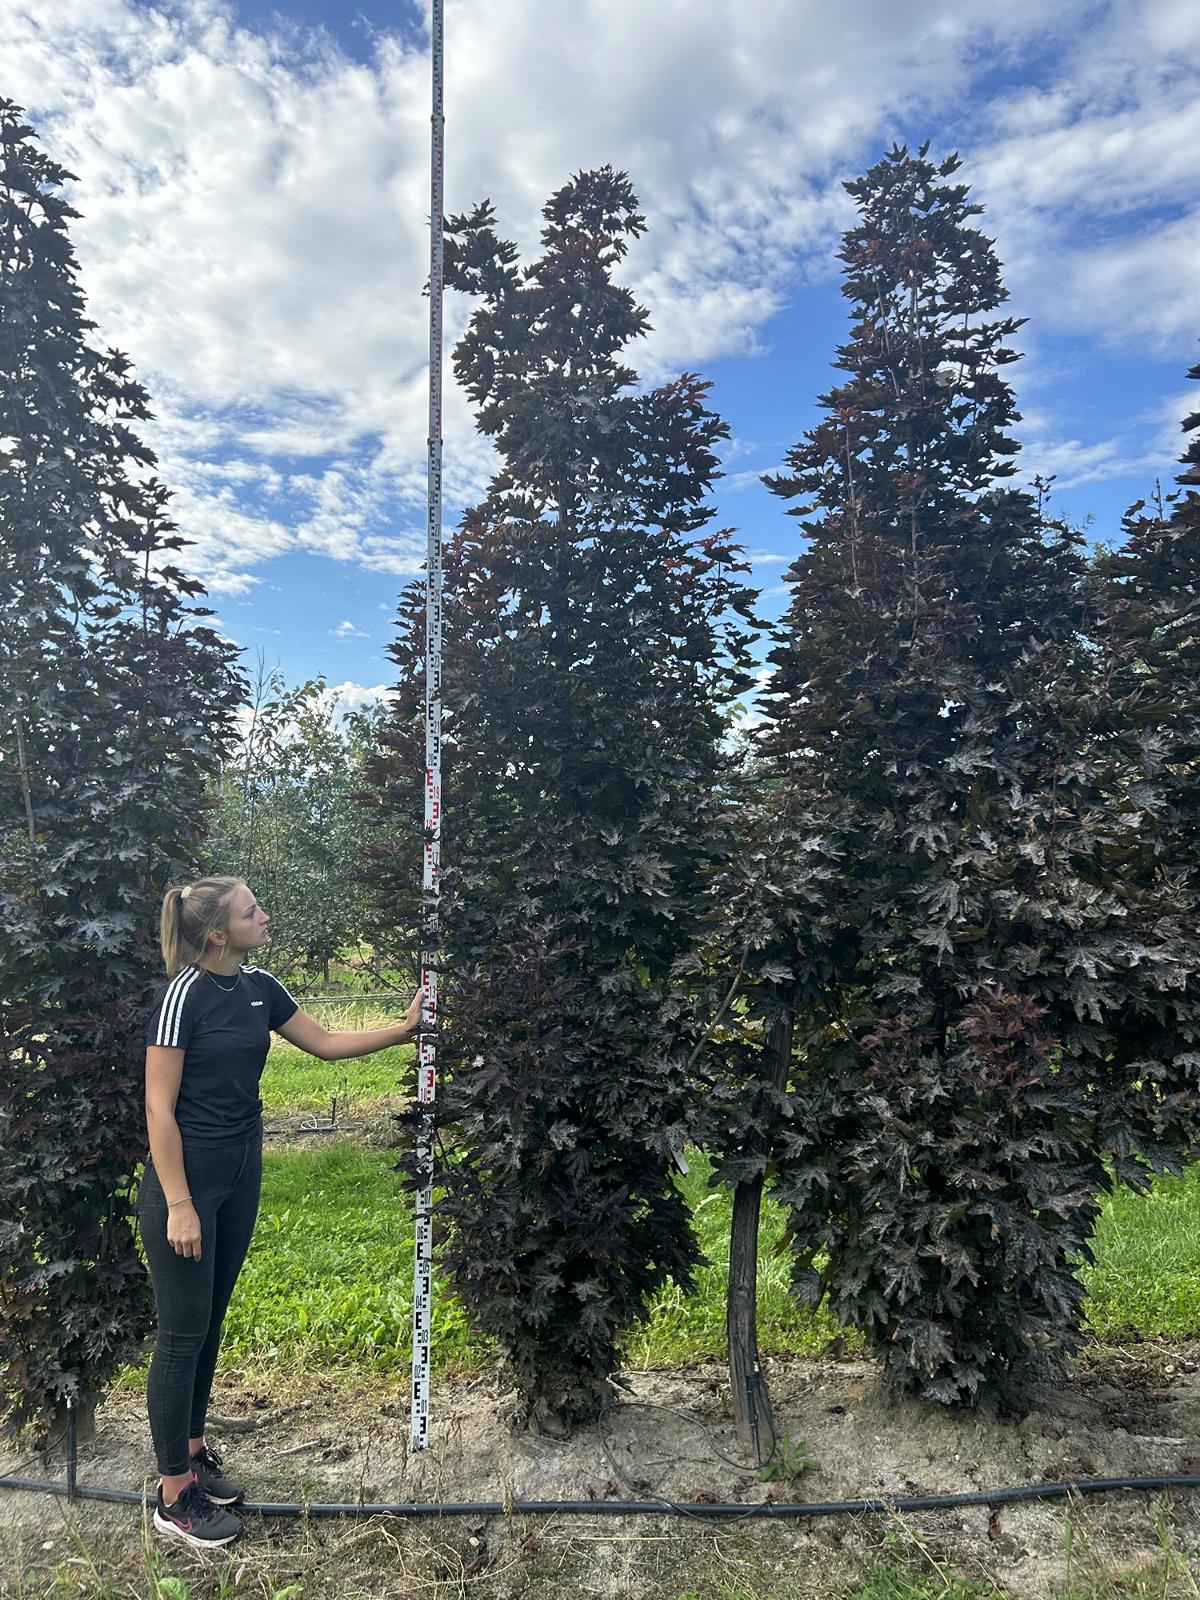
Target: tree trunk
[
  {"x": 56, "y": 1420},
  {"x": 751, "y": 1401},
  {"x": 23, "y": 773}
]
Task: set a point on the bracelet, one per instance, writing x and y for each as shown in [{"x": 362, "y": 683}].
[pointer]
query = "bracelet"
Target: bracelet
[{"x": 182, "y": 1202}]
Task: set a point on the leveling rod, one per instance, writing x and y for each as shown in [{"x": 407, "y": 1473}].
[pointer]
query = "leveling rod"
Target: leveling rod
[{"x": 431, "y": 893}]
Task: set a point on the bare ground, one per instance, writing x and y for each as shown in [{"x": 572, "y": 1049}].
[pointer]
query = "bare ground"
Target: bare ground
[{"x": 342, "y": 1438}]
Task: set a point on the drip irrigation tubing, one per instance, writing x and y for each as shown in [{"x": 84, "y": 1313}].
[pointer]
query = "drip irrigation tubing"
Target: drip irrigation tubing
[
  {"x": 724, "y": 1512},
  {"x": 731, "y": 1512}
]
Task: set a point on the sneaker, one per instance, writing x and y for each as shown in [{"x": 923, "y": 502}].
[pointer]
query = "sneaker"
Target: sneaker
[
  {"x": 206, "y": 1464},
  {"x": 194, "y": 1519}
]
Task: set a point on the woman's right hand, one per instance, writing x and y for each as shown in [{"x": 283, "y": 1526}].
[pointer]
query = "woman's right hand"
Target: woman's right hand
[{"x": 183, "y": 1230}]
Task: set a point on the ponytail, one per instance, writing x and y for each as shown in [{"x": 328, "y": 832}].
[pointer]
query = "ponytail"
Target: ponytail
[{"x": 190, "y": 914}]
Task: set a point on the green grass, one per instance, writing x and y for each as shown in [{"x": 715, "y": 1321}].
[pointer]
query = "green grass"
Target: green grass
[
  {"x": 329, "y": 1276},
  {"x": 1146, "y": 1279},
  {"x": 295, "y": 1082},
  {"x": 922, "y": 1576},
  {"x": 686, "y": 1326},
  {"x": 885, "y": 1581},
  {"x": 359, "y": 1562}
]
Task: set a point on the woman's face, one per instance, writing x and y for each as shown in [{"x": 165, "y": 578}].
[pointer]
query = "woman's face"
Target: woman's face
[{"x": 247, "y": 926}]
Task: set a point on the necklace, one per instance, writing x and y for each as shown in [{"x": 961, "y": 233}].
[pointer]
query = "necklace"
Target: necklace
[{"x": 228, "y": 988}]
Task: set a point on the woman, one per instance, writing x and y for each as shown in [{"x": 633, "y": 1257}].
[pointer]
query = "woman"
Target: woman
[{"x": 209, "y": 1034}]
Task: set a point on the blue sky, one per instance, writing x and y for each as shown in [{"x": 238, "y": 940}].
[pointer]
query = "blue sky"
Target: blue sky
[{"x": 254, "y": 187}]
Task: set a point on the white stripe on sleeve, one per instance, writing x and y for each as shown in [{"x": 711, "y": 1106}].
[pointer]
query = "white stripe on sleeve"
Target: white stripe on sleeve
[
  {"x": 172, "y": 1011},
  {"x": 263, "y": 973}
]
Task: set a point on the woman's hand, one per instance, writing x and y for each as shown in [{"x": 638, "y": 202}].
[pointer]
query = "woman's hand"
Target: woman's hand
[
  {"x": 183, "y": 1230},
  {"x": 412, "y": 1020}
]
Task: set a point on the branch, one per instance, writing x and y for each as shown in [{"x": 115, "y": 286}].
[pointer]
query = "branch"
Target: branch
[{"x": 725, "y": 1004}]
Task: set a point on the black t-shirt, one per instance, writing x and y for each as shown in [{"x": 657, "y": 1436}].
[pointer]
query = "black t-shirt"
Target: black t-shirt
[{"x": 223, "y": 1028}]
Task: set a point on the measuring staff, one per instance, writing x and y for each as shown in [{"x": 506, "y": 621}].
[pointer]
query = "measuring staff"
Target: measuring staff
[{"x": 431, "y": 881}]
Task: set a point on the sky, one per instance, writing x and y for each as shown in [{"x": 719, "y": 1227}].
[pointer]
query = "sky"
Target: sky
[{"x": 253, "y": 182}]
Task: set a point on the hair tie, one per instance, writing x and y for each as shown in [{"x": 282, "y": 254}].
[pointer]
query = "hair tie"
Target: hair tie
[{"x": 183, "y": 893}]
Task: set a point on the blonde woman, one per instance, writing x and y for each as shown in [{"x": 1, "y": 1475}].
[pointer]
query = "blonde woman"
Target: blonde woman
[{"x": 209, "y": 1033}]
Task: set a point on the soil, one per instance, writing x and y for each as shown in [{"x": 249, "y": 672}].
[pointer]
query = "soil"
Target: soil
[
  {"x": 371, "y": 1126},
  {"x": 669, "y": 1436}
]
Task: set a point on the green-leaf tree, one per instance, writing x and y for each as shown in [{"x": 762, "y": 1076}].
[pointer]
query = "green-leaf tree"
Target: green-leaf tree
[
  {"x": 595, "y": 633},
  {"x": 930, "y": 902},
  {"x": 288, "y": 822},
  {"x": 116, "y": 696}
]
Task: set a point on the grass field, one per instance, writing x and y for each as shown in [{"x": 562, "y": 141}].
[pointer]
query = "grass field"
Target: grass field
[
  {"x": 1146, "y": 1280},
  {"x": 329, "y": 1275},
  {"x": 295, "y": 1082}
]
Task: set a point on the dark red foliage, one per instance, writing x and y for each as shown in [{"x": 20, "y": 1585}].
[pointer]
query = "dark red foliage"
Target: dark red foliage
[
  {"x": 594, "y": 636},
  {"x": 115, "y": 698}
]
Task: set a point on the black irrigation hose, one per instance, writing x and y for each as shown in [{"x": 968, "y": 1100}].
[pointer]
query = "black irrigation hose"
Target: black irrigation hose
[
  {"x": 727, "y": 1512},
  {"x": 632, "y": 1508}
]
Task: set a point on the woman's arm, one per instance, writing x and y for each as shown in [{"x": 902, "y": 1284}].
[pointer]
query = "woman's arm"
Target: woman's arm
[
  {"x": 306, "y": 1033},
  {"x": 164, "y": 1070}
]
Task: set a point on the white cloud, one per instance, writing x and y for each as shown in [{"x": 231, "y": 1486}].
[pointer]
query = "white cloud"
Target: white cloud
[
  {"x": 735, "y": 482},
  {"x": 403, "y": 554},
  {"x": 1073, "y": 462},
  {"x": 347, "y": 630},
  {"x": 338, "y": 699},
  {"x": 1142, "y": 288},
  {"x": 225, "y": 539},
  {"x": 1092, "y": 186},
  {"x": 747, "y": 711},
  {"x": 255, "y": 203},
  {"x": 344, "y": 698},
  {"x": 1147, "y": 450}
]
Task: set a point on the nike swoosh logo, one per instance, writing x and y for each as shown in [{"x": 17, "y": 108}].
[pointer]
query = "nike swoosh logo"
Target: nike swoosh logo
[{"x": 180, "y": 1523}]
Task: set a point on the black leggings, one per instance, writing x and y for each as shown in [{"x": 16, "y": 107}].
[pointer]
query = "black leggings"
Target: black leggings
[{"x": 192, "y": 1296}]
